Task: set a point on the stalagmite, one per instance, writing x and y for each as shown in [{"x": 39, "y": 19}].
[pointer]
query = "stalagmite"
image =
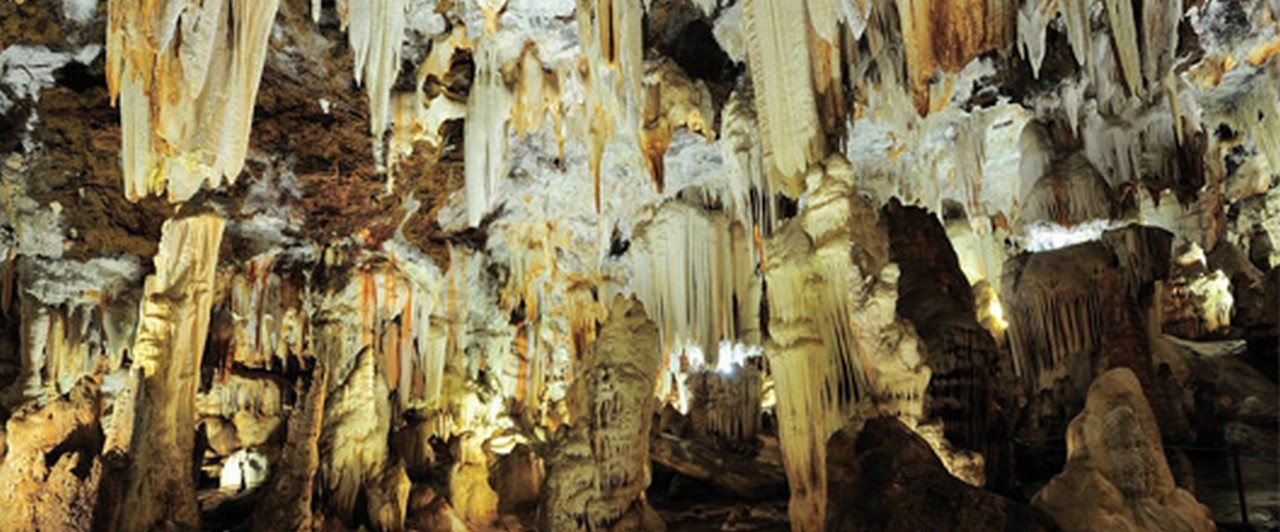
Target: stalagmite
[
  {"x": 186, "y": 76},
  {"x": 287, "y": 504},
  {"x": 598, "y": 471},
  {"x": 935, "y": 297},
  {"x": 169, "y": 346},
  {"x": 781, "y": 74},
  {"x": 50, "y": 470},
  {"x": 354, "y": 437},
  {"x": 820, "y": 366},
  {"x": 1116, "y": 475}
]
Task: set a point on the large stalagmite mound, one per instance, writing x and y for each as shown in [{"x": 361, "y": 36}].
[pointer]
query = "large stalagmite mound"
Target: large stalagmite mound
[{"x": 1116, "y": 476}]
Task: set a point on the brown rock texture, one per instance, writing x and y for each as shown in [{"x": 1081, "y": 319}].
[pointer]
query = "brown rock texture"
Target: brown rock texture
[
  {"x": 50, "y": 469},
  {"x": 885, "y": 477}
]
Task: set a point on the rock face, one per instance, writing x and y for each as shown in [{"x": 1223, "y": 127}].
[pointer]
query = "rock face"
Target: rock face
[
  {"x": 885, "y": 477},
  {"x": 1116, "y": 476},
  {"x": 934, "y": 295}
]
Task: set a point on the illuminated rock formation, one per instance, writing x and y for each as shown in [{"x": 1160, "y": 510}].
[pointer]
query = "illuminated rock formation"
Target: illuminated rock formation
[
  {"x": 50, "y": 463},
  {"x": 169, "y": 347},
  {"x": 186, "y": 76},
  {"x": 1116, "y": 475},
  {"x": 599, "y": 469},
  {"x": 383, "y": 297}
]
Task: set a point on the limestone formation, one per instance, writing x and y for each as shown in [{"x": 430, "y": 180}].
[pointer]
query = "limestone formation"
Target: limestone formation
[
  {"x": 353, "y": 264},
  {"x": 597, "y": 474},
  {"x": 1116, "y": 476}
]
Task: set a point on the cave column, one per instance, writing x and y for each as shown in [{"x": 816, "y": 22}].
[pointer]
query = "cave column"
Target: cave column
[{"x": 173, "y": 326}]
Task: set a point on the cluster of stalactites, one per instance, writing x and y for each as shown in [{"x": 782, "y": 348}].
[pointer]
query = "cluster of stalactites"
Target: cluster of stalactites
[
  {"x": 1056, "y": 306},
  {"x": 1143, "y": 42},
  {"x": 1070, "y": 192},
  {"x": 384, "y": 311},
  {"x": 486, "y": 126},
  {"x": 185, "y": 75},
  {"x": 554, "y": 313},
  {"x": 270, "y": 324},
  {"x": 60, "y": 345},
  {"x": 696, "y": 273},
  {"x": 612, "y": 40},
  {"x": 375, "y": 30}
]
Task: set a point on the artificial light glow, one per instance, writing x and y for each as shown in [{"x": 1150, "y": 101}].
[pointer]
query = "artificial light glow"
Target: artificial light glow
[
  {"x": 1048, "y": 236},
  {"x": 733, "y": 354},
  {"x": 996, "y": 311}
]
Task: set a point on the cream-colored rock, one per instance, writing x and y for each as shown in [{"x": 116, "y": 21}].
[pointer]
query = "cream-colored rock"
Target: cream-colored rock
[
  {"x": 1116, "y": 477},
  {"x": 598, "y": 471},
  {"x": 469, "y": 491},
  {"x": 170, "y": 343},
  {"x": 835, "y": 338},
  {"x": 353, "y": 442},
  {"x": 186, "y": 104}
]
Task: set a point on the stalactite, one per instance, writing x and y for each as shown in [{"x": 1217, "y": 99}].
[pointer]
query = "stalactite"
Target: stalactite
[
  {"x": 704, "y": 300},
  {"x": 485, "y": 136},
  {"x": 948, "y": 35},
  {"x": 169, "y": 345},
  {"x": 612, "y": 72},
  {"x": 1075, "y": 16},
  {"x": 1124, "y": 34},
  {"x": 537, "y": 95},
  {"x": 671, "y": 100},
  {"x": 415, "y": 118},
  {"x": 741, "y": 145},
  {"x": 781, "y": 75},
  {"x": 186, "y": 77},
  {"x": 1250, "y": 103},
  {"x": 375, "y": 29}
]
